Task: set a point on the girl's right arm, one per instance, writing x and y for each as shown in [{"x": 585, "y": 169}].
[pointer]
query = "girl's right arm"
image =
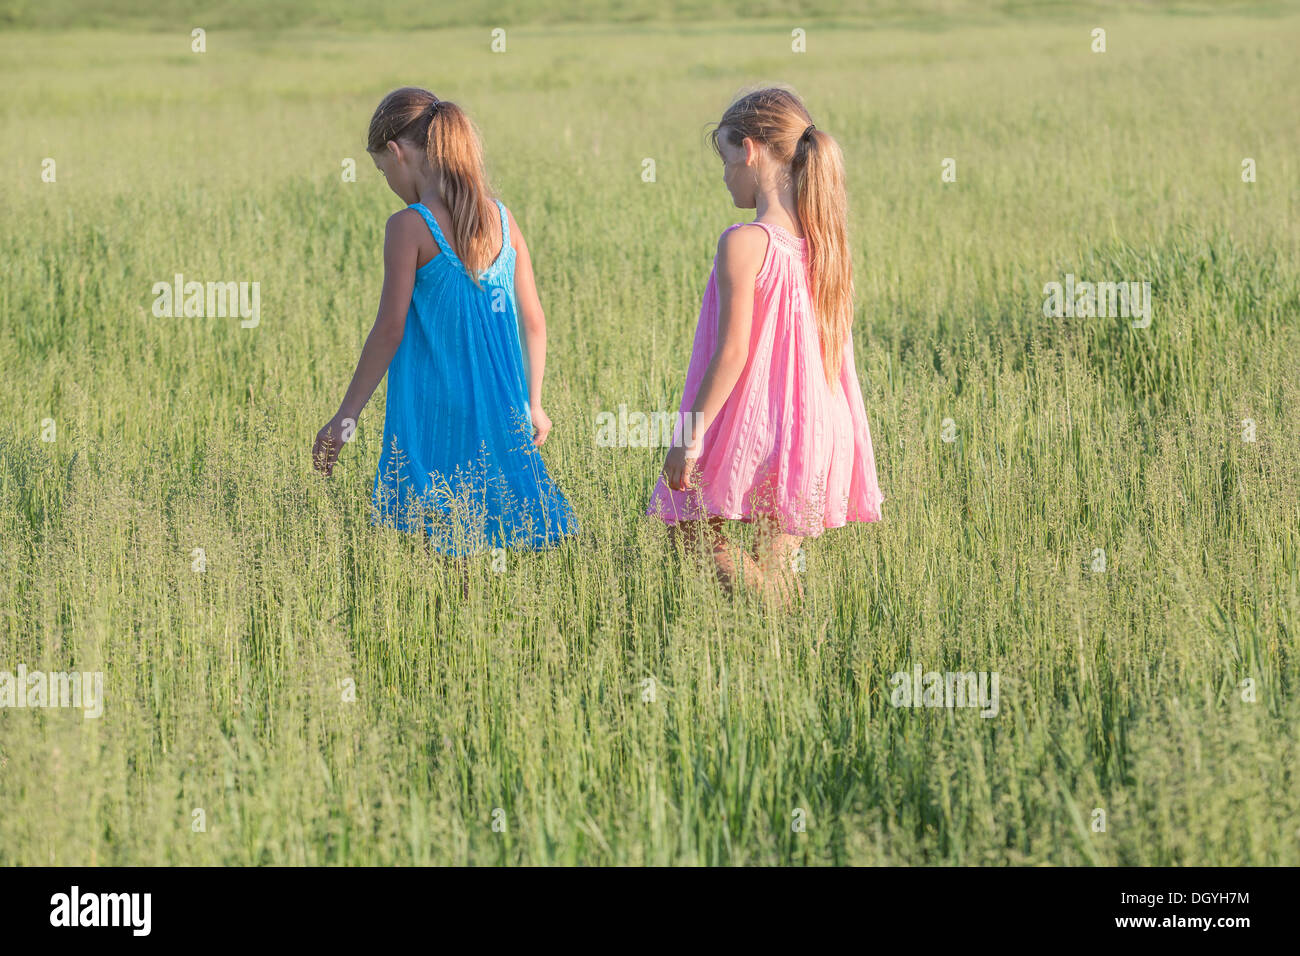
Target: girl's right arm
[
  {"x": 401, "y": 253},
  {"x": 534, "y": 323},
  {"x": 740, "y": 256}
]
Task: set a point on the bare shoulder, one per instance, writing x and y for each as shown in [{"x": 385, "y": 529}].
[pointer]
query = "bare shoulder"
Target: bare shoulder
[
  {"x": 741, "y": 248},
  {"x": 405, "y": 227}
]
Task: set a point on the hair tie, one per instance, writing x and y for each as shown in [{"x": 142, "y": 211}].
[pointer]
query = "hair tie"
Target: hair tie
[{"x": 810, "y": 128}]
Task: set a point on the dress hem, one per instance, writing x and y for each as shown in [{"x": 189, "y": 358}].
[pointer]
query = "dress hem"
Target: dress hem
[{"x": 751, "y": 517}]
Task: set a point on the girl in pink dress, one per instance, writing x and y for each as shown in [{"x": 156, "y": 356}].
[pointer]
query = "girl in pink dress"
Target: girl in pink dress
[{"x": 772, "y": 425}]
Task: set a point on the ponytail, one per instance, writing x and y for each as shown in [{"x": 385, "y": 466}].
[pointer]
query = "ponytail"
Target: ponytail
[
  {"x": 820, "y": 199},
  {"x": 777, "y": 119},
  {"x": 455, "y": 153}
]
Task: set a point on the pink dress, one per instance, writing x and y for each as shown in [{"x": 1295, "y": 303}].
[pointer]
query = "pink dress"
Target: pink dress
[{"x": 785, "y": 444}]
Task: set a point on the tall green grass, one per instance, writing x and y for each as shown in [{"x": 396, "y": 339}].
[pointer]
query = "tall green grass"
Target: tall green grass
[{"x": 1121, "y": 690}]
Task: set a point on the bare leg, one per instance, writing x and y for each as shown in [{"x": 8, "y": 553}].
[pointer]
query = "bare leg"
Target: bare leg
[
  {"x": 774, "y": 554},
  {"x": 705, "y": 538}
]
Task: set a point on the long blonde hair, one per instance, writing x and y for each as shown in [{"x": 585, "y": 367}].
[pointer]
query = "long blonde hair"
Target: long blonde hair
[
  {"x": 778, "y": 119},
  {"x": 452, "y": 144}
]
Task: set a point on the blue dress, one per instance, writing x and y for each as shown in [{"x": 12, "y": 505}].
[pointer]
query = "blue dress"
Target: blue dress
[{"x": 458, "y": 460}]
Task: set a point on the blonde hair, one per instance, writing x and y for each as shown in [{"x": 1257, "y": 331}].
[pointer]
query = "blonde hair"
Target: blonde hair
[
  {"x": 777, "y": 119},
  {"x": 452, "y": 144}
]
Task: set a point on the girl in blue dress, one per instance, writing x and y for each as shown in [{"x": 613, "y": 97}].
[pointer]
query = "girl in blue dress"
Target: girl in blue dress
[{"x": 464, "y": 417}]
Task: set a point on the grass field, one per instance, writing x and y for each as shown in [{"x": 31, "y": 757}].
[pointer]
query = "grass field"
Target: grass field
[{"x": 1161, "y": 690}]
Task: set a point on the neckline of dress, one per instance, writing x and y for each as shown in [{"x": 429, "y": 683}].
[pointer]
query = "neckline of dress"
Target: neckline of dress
[
  {"x": 506, "y": 247},
  {"x": 784, "y": 231},
  {"x": 783, "y": 237}
]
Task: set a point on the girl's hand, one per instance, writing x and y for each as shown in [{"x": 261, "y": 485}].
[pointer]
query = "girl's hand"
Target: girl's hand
[
  {"x": 329, "y": 441},
  {"x": 541, "y": 425},
  {"x": 678, "y": 469}
]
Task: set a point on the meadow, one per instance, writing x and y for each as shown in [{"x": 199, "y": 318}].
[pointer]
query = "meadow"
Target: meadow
[{"x": 1106, "y": 516}]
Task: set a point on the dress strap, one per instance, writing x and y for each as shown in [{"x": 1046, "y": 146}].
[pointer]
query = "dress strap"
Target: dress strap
[
  {"x": 771, "y": 242},
  {"x": 434, "y": 228},
  {"x": 505, "y": 226},
  {"x": 771, "y": 235}
]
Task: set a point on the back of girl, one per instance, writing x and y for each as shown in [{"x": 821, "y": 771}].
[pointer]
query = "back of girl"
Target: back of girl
[
  {"x": 774, "y": 427},
  {"x": 462, "y": 337}
]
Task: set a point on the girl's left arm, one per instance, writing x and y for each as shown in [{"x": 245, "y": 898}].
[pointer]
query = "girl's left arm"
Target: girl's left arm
[
  {"x": 401, "y": 252},
  {"x": 533, "y": 320}
]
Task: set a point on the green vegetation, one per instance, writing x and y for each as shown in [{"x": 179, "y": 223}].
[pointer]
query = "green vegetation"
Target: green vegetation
[{"x": 1120, "y": 689}]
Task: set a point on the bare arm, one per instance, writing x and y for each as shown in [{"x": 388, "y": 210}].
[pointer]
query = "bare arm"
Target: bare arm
[
  {"x": 740, "y": 256},
  {"x": 401, "y": 251},
  {"x": 533, "y": 320}
]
